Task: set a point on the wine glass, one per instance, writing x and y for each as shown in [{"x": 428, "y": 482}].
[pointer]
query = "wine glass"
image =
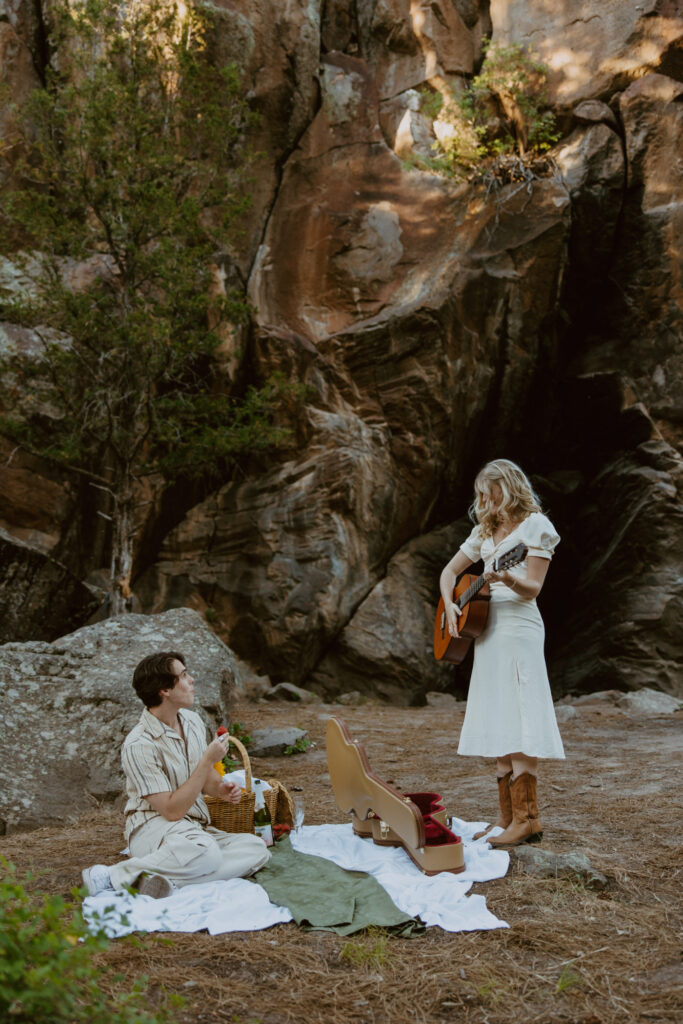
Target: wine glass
[{"x": 299, "y": 810}]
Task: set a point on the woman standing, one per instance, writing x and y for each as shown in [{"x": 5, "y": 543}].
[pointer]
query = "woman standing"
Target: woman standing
[{"x": 510, "y": 714}]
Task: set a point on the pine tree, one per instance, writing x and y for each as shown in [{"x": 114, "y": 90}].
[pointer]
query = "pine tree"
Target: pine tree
[{"x": 132, "y": 159}]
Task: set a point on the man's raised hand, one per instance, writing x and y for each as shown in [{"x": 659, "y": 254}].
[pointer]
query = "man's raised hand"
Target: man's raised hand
[{"x": 218, "y": 747}]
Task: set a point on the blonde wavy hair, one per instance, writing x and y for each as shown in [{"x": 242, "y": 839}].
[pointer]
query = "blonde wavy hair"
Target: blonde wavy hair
[{"x": 519, "y": 498}]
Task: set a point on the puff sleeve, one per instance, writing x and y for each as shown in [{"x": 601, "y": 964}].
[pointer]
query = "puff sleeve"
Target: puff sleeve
[
  {"x": 472, "y": 546},
  {"x": 539, "y": 535}
]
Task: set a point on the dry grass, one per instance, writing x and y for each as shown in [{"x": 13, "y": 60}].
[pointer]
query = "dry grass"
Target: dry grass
[{"x": 570, "y": 954}]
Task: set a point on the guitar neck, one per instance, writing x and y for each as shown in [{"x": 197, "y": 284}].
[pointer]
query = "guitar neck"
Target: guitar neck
[
  {"x": 471, "y": 591},
  {"x": 475, "y": 587}
]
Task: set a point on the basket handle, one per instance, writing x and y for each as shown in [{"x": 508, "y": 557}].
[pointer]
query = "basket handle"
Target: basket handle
[{"x": 246, "y": 764}]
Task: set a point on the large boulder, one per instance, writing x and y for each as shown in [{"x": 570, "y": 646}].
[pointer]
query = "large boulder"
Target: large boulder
[
  {"x": 68, "y": 705},
  {"x": 616, "y": 635},
  {"x": 293, "y": 552},
  {"x": 38, "y": 595},
  {"x": 646, "y": 309},
  {"x": 20, "y": 33},
  {"x": 34, "y": 500},
  {"x": 619, "y": 594},
  {"x": 593, "y": 167},
  {"x": 375, "y": 240},
  {"x": 386, "y": 649},
  {"x": 406, "y": 43},
  {"x": 593, "y": 47},
  {"x": 277, "y": 48}
]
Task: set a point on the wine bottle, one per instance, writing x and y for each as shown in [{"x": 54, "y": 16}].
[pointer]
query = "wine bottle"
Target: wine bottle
[{"x": 263, "y": 825}]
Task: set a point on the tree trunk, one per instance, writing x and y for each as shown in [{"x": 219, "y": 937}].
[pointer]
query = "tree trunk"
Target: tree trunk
[
  {"x": 120, "y": 593},
  {"x": 515, "y": 117}
]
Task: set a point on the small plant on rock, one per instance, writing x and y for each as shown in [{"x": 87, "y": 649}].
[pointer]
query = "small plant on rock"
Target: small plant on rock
[
  {"x": 502, "y": 112},
  {"x": 299, "y": 747}
]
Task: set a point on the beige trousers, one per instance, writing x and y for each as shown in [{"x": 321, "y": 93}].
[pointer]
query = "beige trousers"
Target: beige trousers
[{"x": 186, "y": 852}]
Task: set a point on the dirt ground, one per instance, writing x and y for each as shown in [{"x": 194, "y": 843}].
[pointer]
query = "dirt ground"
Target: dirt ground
[{"x": 570, "y": 954}]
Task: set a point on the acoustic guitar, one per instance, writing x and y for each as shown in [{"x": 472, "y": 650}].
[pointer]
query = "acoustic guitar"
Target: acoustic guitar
[{"x": 472, "y": 595}]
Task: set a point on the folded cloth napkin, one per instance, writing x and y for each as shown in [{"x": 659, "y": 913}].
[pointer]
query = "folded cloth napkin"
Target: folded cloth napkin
[
  {"x": 238, "y": 777},
  {"x": 324, "y": 897}
]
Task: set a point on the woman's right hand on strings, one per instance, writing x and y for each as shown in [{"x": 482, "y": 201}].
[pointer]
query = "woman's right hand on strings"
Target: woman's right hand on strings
[{"x": 453, "y": 613}]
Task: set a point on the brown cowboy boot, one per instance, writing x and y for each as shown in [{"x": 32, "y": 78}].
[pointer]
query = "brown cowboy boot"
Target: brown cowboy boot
[
  {"x": 525, "y": 826},
  {"x": 505, "y": 816}
]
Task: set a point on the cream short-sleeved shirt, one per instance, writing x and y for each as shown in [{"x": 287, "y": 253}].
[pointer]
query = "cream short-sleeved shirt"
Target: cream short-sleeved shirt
[
  {"x": 536, "y": 532},
  {"x": 156, "y": 759}
]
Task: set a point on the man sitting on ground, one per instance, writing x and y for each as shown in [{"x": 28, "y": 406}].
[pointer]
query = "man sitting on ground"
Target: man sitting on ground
[{"x": 168, "y": 766}]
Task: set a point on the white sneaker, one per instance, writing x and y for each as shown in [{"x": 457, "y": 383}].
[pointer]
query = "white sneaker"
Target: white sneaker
[{"x": 97, "y": 879}]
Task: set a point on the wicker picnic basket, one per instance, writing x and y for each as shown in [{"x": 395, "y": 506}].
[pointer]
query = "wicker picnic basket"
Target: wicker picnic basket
[{"x": 240, "y": 817}]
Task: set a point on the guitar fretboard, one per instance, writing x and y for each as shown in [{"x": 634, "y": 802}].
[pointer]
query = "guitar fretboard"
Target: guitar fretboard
[
  {"x": 473, "y": 589},
  {"x": 506, "y": 561}
]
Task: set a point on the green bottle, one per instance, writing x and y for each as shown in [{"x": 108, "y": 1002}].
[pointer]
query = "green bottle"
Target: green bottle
[{"x": 263, "y": 826}]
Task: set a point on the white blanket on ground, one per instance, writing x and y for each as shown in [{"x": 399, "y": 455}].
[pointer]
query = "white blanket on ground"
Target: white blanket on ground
[{"x": 242, "y": 906}]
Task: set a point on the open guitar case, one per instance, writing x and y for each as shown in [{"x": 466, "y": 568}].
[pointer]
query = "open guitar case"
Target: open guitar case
[{"x": 414, "y": 821}]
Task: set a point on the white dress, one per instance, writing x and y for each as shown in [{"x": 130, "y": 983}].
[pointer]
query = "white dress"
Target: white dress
[{"x": 509, "y": 705}]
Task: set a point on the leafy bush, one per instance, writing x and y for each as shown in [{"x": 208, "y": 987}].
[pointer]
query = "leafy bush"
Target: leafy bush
[
  {"x": 131, "y": 160},
  {"x": 502, "y": 111},
  {"x": 300, "y": 746},
  {"x": 239, "y": 731},
  {"x": 49, "y": 969}
]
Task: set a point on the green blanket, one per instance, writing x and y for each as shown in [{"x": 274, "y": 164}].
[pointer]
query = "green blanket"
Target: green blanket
[{"x": 324, "y": 897}]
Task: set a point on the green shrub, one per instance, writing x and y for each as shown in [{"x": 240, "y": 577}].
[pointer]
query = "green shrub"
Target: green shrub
[
  {"x": 517, "y": 82},
  {"x": 431, "y": 103},
  {"x": 239, "y": 731},
  {"x": 502, "y": 111},
  {"x": 49, "y": 969},
  {"x": 300, "y": 746}
]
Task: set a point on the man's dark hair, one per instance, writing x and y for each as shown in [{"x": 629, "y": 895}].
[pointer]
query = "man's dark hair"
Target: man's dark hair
[{"x": 154, "y": 674}]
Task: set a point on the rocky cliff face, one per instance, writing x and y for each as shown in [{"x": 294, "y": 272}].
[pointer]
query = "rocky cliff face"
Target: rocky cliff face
[{"x": 437, "y": 325}]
